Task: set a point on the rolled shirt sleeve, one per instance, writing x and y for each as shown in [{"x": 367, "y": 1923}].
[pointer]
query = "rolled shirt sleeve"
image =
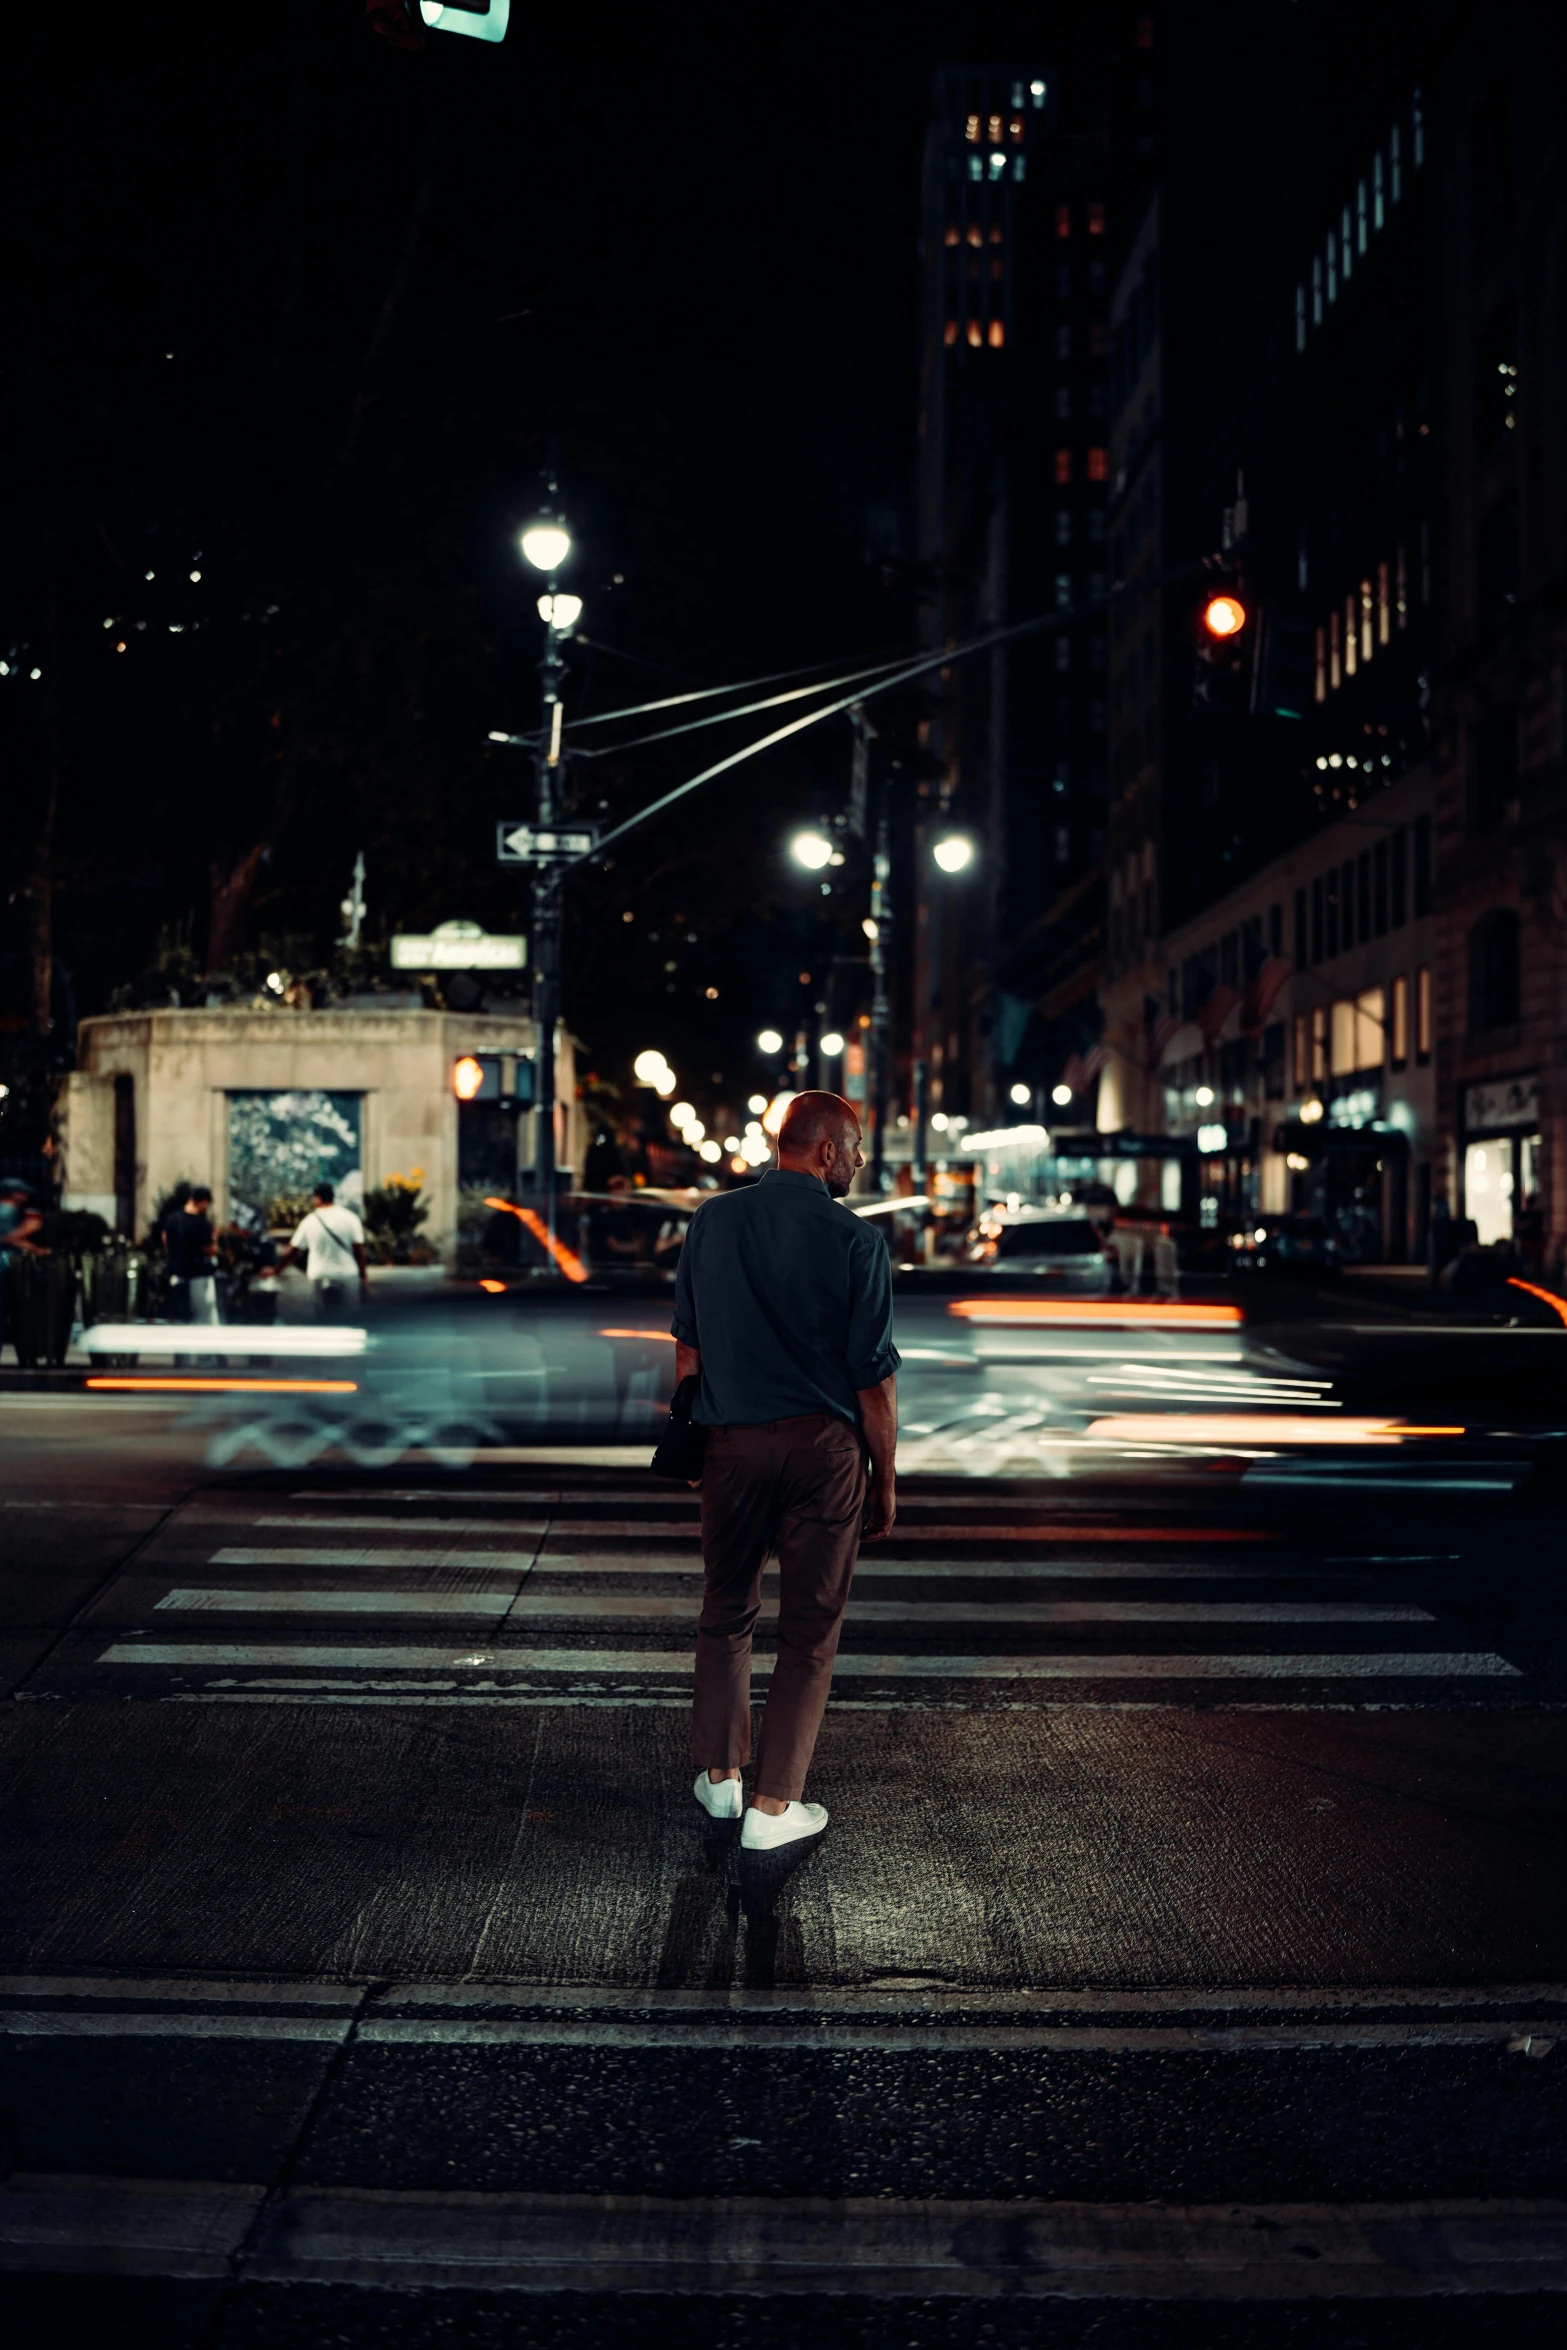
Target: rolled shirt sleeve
[{"x": 871, "y": 1355}]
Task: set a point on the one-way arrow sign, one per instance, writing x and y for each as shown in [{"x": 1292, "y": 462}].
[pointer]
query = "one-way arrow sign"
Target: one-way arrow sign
[{"x": 532, "y": 844}]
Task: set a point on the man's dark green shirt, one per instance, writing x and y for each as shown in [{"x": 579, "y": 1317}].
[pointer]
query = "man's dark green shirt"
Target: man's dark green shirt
[{"x": 788, "y": 1295}]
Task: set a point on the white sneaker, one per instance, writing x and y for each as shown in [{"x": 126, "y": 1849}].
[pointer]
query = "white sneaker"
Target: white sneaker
[
  {"x": 719, "y": 1798},
  {"x": 764, "y": 1830}
]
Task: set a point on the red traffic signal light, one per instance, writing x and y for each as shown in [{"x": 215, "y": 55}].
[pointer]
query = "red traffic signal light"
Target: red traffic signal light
[{"x": 1223, "y": 617}]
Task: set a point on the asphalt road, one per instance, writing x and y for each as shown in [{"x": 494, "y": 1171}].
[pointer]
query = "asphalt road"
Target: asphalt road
[{"x": 1184, "y": 1960}]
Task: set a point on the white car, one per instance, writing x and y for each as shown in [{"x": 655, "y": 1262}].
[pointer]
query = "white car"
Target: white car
[{"x": 1043, "y": 1244}]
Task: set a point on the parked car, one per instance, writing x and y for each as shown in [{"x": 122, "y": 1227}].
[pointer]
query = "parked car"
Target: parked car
[
  {"x": 1043, "y": 1243},
  {"x": 1286, "y": 1244}
]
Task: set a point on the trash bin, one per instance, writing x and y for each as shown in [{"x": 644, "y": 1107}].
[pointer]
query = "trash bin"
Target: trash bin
[
  {"x": 40, "y": 1306},
  {"x": 114, "y": 1283}
]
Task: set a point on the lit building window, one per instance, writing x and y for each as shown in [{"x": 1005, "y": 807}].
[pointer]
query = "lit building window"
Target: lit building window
[
  {"x": 1015, "y": 127},
  {"x": 950, "y": 333},
  {"x": 1036, "y": 91},
  {"x": 1362, "y": 221},
  {"x": 1351, "y": 638},
  {"x": 995, "y": 130},
  {"x": 971, "y": 129},
  {"x": 998, "y": 166},
  {"x": 1384, "y": 602},
  {"x": 995, "y": 232},
  {"x": 1398, "y": 1037},
  {"x": 1378, "y": 193},
  {"x": 974, "y": 335},
  {"x": 1300, "y": 315},
  {"x": 1017, "y": 94},
  {"x": 952, "y": 232},
  {"x": 1346, "y": 247},
  {"x": 976, "y": 169},
  {"x": 1401, "y": 588},
  {"x": 1096, "y": 220},
  {"x": 1319, "y": 1043},
  {"x": 1423, "y": 1013},
  {"x": 1335, "y": 674},
  {"x": 1395, "y": 162},
  {"x": 1332, "y": 268},
  {"x": 1370, "y": 1028},
  {"x": 1321, "y": 692},
  {"x": 1099, "y": 465},
  {"x": 1018, "y": 167},
  {"x": 1063, "y": 589},
  {"x": 1417, "y": 134},
  {"x": 1063, "y": 220},
  {"x": 1341, "y": 1050},
  {"x": 1063, "y": 466},
  {"x": 976, "y": 235},
  {"x": 998, "y": 334},
  {"x": 1367, "y": 641},
  {"x": 1316, "y": 290}
]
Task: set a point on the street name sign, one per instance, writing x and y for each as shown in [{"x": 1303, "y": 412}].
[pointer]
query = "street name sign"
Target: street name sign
[
  {"x": 458, "y": 946},
  {"x": 535, "y": 844}
]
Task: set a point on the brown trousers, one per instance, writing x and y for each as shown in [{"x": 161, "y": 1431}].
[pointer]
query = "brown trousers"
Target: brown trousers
[{"x": 798, "y": 1485}]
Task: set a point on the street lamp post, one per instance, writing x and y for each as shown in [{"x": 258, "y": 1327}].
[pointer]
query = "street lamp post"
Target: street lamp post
[{"x": 546, "y": 545}]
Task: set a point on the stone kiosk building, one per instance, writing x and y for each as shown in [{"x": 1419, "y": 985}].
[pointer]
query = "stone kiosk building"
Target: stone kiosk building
[{"x": 262, "y": 1102}]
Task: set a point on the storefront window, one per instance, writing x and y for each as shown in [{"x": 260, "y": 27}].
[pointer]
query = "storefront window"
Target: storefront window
[
  {"x": 1342, "y": 1059},
  {"x": 1488, "y": 1188}
]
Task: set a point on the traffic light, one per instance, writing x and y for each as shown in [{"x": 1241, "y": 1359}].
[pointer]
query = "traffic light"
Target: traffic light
[
  {"x": 477, "y": 1078},
  {"x": 1226, "y": 636},
  {"x": 1223, "y": 617}
]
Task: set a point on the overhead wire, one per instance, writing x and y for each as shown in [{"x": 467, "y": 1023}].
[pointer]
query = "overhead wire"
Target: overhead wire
[{"x": 1060, "y": 617}]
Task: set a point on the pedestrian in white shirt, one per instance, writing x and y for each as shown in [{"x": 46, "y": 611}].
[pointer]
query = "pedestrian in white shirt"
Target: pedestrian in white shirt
[{"x": 330, "y": 1243}]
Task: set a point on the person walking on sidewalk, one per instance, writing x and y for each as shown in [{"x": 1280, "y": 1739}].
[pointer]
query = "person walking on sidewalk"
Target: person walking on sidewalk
[
  {"x": 192, "y": 1253},
  {"x": 783, "y": 1310},
  {"x": 330, "y": 1243}
]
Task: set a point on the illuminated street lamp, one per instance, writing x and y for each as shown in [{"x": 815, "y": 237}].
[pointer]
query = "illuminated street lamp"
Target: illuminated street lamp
[
  {"x": 1021, "y": 1095},
  {"x": 812, "y": 849},
  {"x": 832, "y": 1044},
  {"x": 546, "y": 543},
  {"x": 1060, "y": 1095},
  {"x": 560, "y": 612},
  {"x": 769, "y": 1041},
  {"x": 954, "y": 852}
]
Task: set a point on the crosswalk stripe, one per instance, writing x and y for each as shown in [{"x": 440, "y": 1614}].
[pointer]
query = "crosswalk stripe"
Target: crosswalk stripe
[
  {"x": 260, "y": 1601},
  {"x": 1029, "y": 1611},
  {"x": 332, "y": 1603},
  {"x": 1425, "y": 1664},
  {"x": 1094, "y": 1570},
  {"x": 515, "y": 1561}
]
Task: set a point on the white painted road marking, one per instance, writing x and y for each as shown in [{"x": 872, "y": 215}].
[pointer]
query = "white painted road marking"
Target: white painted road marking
[
  {"x": 514, "y": 1561},
  {"x": 534, "y": 1603},
  {"x": 1368, "y": 1665},
  {"x": 345, "y": 1603}
]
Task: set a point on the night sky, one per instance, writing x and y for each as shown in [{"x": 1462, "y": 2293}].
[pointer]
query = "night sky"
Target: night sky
[{"x": 310, "y": 316}]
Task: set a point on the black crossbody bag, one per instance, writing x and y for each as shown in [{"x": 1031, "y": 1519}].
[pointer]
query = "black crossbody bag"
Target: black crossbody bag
[{"x": 684, "y": 1441}]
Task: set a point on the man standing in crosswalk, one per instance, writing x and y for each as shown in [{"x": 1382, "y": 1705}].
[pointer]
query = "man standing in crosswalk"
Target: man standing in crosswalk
[{"x": 783, "y": 1309}]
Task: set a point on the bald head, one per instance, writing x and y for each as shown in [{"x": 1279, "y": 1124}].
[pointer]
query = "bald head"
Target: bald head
[{"x": 820, "y": 1135}]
